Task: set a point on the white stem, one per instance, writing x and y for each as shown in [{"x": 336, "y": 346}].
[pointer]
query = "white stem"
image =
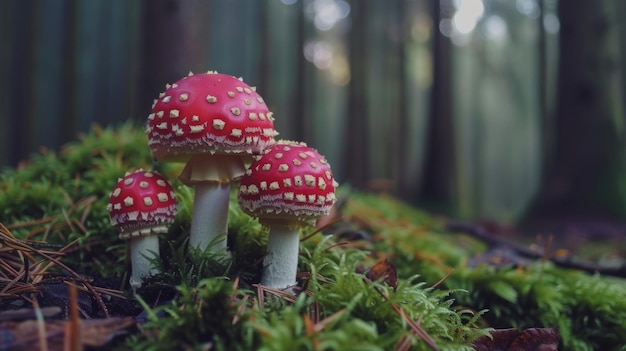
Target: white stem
[
  {"x": 209, "y": 220},
  {"x": 142, "y": 250},
  {"x": 281, "y": 263}
]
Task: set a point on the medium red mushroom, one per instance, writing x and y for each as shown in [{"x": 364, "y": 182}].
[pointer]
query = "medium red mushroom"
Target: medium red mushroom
[
  {"x": 141, "y": 206},
  {"x": 288, "y": 187},
  {"x": 213, "y": 122}
]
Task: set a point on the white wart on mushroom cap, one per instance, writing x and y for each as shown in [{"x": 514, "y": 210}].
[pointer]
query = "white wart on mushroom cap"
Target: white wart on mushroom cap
[
  {"x": 142, "y": 203},
  {"x": 209, "y": 113},
  {"x": 290, "y": 182}
]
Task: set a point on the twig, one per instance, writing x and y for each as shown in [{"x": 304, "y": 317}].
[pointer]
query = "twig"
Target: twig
[{"x": 564, "y": 262}]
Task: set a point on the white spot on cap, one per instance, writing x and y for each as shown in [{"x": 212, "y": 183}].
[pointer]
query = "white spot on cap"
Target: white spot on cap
[
  {"x": 116, "y": 192},
  {"x": 289, "y": 196},
  {"x": 278, "y": 155},
  {"x": 195, "y": 118},
  {"x": 263, "y": 185},
  {"x": 235, "y": 132},
  {"x": 162, "y": 125},
  {"x": 235, "y": 111},
  {"x": 274, "y": 186},
  {"x": 321, "y": 183},
  {"x": 128, "y": 181},
  {"x": 231, "y": 94},
  {"x": 218, "y": 124},
  {"x": 147, "y": 201},
  {"x": 239, "y": 89},
  {"x": 309, "y": 180},
  {"x": 266, "y": 167},
  {"x": 297, "y": 162},
  {"x": 160, "y": 114},
  {"x": 211, "y": 99},
  {"x": 196, "y": 129},
  {"x": 297, "y": 180},
  {"x": 183, "y": 97},
  {"x": 174, "y": 113},
  {"x": 167, "y": 99},
  {"x": 247, "y": 90},
  {"x": 301, "y": 198},
  {"x": 143, "y": 184},
  {"x": 283, "y": 167},
  {"x": 252, "y": 189},
  {"x": 252, "y": 116},
  {"x": 287, "y": 182},
  {"x": 128, "y": 201},
  {"x": 161, "y": 182},
  {"x": 151, "y": 116},
  {"x": 162, "y": 197}
]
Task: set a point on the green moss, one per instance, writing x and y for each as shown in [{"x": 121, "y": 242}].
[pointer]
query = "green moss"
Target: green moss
[
  {"x": 589, "y": 310},
  {"x": 58, "y": 198}
]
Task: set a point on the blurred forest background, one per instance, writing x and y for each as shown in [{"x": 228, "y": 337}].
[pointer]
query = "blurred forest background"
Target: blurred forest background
[{"x": 498, "y": 109}]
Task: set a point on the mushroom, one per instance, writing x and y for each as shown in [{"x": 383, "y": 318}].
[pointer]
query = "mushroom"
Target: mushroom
[
  {"x": 213, "y": 122},
  {"x": 142, "y": 205},
  {"x": 287, "y": 187}
]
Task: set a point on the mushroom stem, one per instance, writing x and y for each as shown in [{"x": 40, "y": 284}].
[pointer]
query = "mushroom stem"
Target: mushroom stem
[
  {"x": 209, "y": 221},
  {"x": 143, "y": 249},
  {"x": 281, "y": 263}
]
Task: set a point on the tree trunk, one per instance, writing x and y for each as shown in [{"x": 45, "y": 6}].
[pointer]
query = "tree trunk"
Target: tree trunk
[{"x": 588, "y": 154}]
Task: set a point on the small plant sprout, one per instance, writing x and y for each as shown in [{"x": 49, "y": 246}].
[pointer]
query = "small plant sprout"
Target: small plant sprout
[
  {"x": 215, "y": 123},
  {"x": 288, "y": 187},
  {"x": 141, "y": 206}
]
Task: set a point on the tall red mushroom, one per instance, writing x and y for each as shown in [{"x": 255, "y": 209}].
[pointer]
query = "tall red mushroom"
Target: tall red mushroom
[
  {"x": 288, "y": 187},
  {"x": 142, "y": 205},
  {"x": 213, "y": 122}
]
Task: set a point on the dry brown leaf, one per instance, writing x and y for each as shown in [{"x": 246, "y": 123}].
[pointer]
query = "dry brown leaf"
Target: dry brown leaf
[
  {"x": 385, "y": 270},
  {"x": 94, "y": 333}
]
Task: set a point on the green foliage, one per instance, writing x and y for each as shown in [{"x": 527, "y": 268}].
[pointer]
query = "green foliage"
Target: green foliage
[
  {"x": 353, "y": 313},
  {"x": 201, "y": 315},
  {"x": 589, "y": 310},
  {"x": 60, "y": 197}
]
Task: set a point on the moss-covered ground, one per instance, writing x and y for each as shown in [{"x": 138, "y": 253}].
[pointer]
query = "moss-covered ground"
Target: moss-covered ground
[{"x": 379, "y": 275}]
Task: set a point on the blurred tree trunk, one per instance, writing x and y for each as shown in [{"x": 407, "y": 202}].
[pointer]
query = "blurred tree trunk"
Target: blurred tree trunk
[
  {"x": 588, "y": 155},
  {"x": 437, "y": 186},
  {"x": 356, "y": 150},
  {"x": 172, "y": 33}
]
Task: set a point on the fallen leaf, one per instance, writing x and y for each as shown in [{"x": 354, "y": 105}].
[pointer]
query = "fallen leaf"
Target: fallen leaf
[
  {"x": 94, "y": 333},
  {"x": 385, "y": 270}
]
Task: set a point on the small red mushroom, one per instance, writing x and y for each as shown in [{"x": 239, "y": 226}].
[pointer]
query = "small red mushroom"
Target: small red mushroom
[
  {"x": 289, "y": 186},
  {"x": 142, "y": 205},
  {"x": 215, "y": 123}
]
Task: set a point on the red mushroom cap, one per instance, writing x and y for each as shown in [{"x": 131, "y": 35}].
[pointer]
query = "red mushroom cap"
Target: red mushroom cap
[
  {"x": 209, "y": 113},
  {"x": 142, "y": 203},
  {"x": 290, "y": 182}
]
